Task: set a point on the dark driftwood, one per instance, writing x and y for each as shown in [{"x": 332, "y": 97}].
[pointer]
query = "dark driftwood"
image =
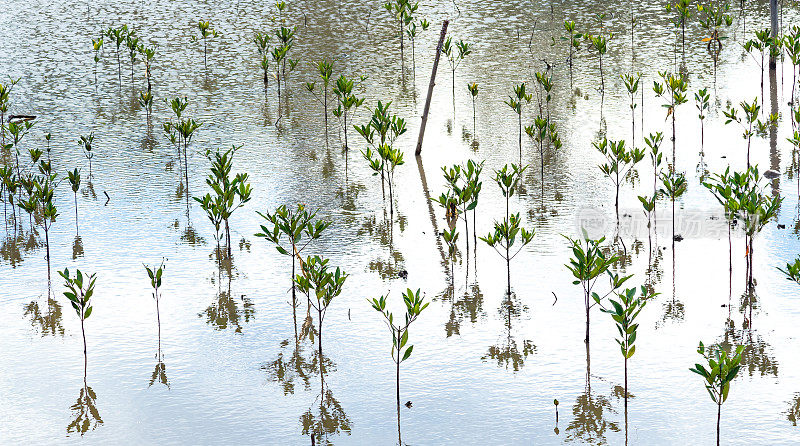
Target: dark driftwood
[{"x": 430, "y": 88}]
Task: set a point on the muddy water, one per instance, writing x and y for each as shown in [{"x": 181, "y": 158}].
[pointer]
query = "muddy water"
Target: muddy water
[{"x": 485, "y": 368}]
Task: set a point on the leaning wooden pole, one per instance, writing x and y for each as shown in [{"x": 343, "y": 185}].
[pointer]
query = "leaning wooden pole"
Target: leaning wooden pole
[{"x": 430, "y": 87}]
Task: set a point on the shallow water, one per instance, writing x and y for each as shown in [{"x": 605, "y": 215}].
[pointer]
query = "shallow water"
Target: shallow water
[{"x": 484, "y": 370}]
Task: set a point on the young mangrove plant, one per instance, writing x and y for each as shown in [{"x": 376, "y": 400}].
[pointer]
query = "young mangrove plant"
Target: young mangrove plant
[
  {"x": 414, "y": 28},
  {"x": 722, "y": 370},
  {"x": 726, "y": 188},
  {"x": 348, "y": 102},
  {"x": 573, "y": 40},
  {"x": 792, "y": 271},
  {"x": 599, "y": 43},
  {"x": 587, "y": 264},
  {"x": 74, "y": 177},
  {"x": 682, "y": 12},
  {"x": 506, "y": 232},
  {"x": 701, "y": 102},
  {"x": 321, "y": 285},
  {"x": 132, "y": 42},
  {"x": 619, "y": 164},
  {"x": 624, "y": 312},
  {"x": 400, "y": 11},
  {"x": 230, "y": 193},
  {"x": 5, "y": 93},
  {"x": 462, "y": 50},
  {"x": 757, "y": 207},
  {"x": 674, "y": 186},
  {"x": 385, "y": 158},
  {"x": 262, "y": 42},
  {"x": 294, "y": 225},
  {"x": 761, "y": 45},
  {"x": 473, "y": 92},
  {"x": 401, "y": 349},
  {"x": 750, "y": 123},
  {"x": 45, "y": 190},
  {"x": 86, "y": 145},
  {"x": 146, "y": 101},
  {"x": 713, "y": 16},
  {"x": 517, "y": 102},
  {"x": 325, "y": 70},
  {"x": 155, "y": 274},
  {"x": 206, "y": 32},
  {"x": 97, "y": 45},
  {"x": 632, "y": 86},
  {"x": 118, "y": 36},
  {"x": 673, "y": 90},
  {"x": 80, "y": 290}
]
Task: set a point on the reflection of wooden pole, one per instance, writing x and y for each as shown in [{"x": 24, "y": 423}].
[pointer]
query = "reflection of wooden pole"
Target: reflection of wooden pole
[{"x": 430, "y": 87}]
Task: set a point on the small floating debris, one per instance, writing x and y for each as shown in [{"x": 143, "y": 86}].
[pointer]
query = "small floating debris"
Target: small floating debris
[
  {"x": 16, "y": 119},
  {"x": 409, "y": 404},
  {"x": 403, "y": 274},
  {"x": 678, "y": 238},
  {"x": 771, "y": 174},
  {"x": 781, "y": 226}
]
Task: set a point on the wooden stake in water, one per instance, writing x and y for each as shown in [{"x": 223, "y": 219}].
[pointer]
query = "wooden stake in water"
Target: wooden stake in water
[{"x": 430, "y": 87}]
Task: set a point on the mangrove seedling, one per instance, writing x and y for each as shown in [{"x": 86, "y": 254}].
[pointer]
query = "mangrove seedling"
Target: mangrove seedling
[
  {"x": 74, "y": 178},
  {"x": 412, "y": 31},
  {"x": 750, "y": 123},
  {"x": 5, "y": 93},
  {"x": 45, "y": 190},
  {"x": 400, "y": 10},
  {"x": 231, "y": 192},
  {"x": 682, "y": 13},
  {"x": 517, "y": 102},
  {"x": 118, "y": 36},
  {"x": 317, "y": 281},
  {"x": 86, "y": 145},
  {"x": 80, "y": 290},
  {"x": 155, "y": 274},
  {"x": 97, "y": 45},
  {"x": 761, "y": 44},
  {"x": 574, "y": 42},
  {"x": 620, "y": 162},
  {"x": 132, "y": 42},
  {"x": 632, "y": 86},
  {"x": 722, "y": 370},
  {"x": 149, "y": 54},
  {"x": 599, "y": 43},
  {"x": 757, "y": 208},
  {"x": 473, "y": 92},
  {"x": 792, "y": 271},
  {"x": 401, "y": 350},
  {"x": 674, "y": 186},
  {"x": 206, "y": 32},
  {"x": 712, "y": 17},
  {"x": 385, "y": 158},
  {"x": 262, "y": 44},
  {"x": 587, "y": 264},
  {"x": 506, "y": 232},
  {"x": 146, "y": 101},
  {"x": 674, "y": 88},
  {"x": 701, "y": 102},
  {"x": 624, "y": 311},
  {"x": 325, "y": 70},
  {"x": 462, "y": 50},
  {"x": 347, "y": 104},
  {"x": 294, "y": 225}
]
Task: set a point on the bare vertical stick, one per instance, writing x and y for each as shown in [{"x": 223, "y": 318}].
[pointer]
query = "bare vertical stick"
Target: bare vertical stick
[
  {"x": 430, "y": 88},
  {"x": 773, "y": 16}
]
